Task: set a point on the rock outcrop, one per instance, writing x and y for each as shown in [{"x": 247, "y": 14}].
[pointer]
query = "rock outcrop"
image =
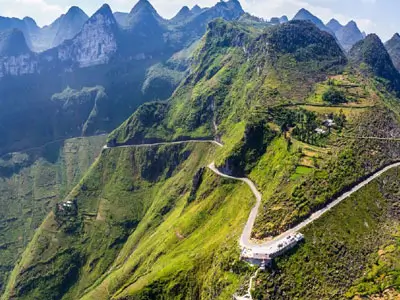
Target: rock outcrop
[
  {"x": 95, "y": 44},
  {"x": 349, "y": 35},
  {"x": 305, "y": 15},
  {"x": 393, "y": 48}
]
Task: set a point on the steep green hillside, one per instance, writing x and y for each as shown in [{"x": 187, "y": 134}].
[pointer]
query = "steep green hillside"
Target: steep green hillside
[
  {"x": 297, "y": 118},
  {"x": 133, "y": 64},
  {"x": 140, "y": 198},
  {"x": 30, "y": 184},
  {"x": 353, "y": 250},
  {"x": 231, "y": 93},
  {"x": 237, "y": 69}
]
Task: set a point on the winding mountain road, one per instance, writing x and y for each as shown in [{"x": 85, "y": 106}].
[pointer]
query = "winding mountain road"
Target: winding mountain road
[
  {"x": 245, "y": 239},
  {"x": 165, "y": 143}
]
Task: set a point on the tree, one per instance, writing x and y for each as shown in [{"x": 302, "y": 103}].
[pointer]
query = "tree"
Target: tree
[{"x": 334, "y": 96}]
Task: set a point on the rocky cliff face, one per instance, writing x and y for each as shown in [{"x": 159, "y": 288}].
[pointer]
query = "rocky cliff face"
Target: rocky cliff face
[
  {"x": 334, "y": 25},
  {"x": 305, "y": 15},
  {"x": 70, "y": 25},
  {"x": 15, "y": 56},
  {"x": 18, "y": 65},
  {"x": 95, "y": 44},
  {"x": 349, "y": 35},
  {"x": 393, "y": 48},
  {"x": 373, "y": 54}
]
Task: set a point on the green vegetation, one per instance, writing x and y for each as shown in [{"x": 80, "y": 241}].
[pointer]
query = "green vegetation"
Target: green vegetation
[
  {"x": 301, "y": 171},
  {"x": 245, "y": 154},
  {"x": 340, "y": 250},
  {"x": 153, "y": 223},
  {"x": 334, "y": 96},
  {"x": 370, "y": 54},
  {"x": 232, "y": 76},
  {"x": 30, "y": 185},
  {"x": 140, "y": 197}
]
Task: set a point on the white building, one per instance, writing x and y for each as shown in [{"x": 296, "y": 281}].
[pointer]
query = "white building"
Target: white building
[{"x": 274, "y": 249}]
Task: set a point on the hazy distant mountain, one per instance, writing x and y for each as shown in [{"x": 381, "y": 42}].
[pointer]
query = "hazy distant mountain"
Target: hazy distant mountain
[
  {"x": 96, "y": 43},
  {"x": 334, "y": 25},
  {"x": 143, "y": 14},
  {"x": 393, "y": 48},
  {"x": 31, "y": 25},
  {"x": 122, "y": 18},
  {"x": 196, "y": 9},
  {"x": 70, "y": 25},
  {"x": 304, "y": 14},
  {"x": 349, "y": 35},
  {"x": 372, "y": 52},
  {"x": 145, "y": 32},
  {"x": 41, "y": 39},
  {"x": 183, "y": 14},
  {"x": 27, "y": 26},
  {"x": 229, "y": 10},
  {"x": 13, "y": 43},
  {"x": 283, "y": 19},
  {"x": 133, "y": 64}
]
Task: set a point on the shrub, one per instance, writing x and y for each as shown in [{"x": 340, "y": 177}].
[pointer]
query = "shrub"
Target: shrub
[{"x": 334, "y": 96}]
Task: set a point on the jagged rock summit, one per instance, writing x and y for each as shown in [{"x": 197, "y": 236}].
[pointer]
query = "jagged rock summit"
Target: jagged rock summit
[
  {"x": 183, "y": 14},
  {"x": 372, "y": 53},
  {"x": 334, "y": 25},
  {"x": 13, "y": 43},
  {"x": 196, "y": 9},
  {"x": 349, "y": 35},
  {"x": 305, "y": 15},
  {"x": 393, "y": 48},
  {"x": 70, "y": 25},
  {"x": 143, "y": 14},
  {"x": 96, "y": 43}
]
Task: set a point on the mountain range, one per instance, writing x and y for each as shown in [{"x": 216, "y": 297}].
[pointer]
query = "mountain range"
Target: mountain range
[
  {"x": 133, "y": 63},
  {"x": 129, "y": 143},
  {"x": 346, "y": 35}
]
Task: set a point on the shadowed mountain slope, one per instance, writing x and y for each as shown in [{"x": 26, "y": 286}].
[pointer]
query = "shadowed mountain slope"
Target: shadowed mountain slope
[
  {"x": 393, "y": 48},
  {"x": 373, "y": 54}
]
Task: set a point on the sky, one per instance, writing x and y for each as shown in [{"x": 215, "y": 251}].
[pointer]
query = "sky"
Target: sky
[{"x": 372, "y": 16}]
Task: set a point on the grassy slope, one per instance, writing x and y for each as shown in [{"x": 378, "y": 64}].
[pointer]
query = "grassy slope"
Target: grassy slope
[
  {"x": 30, "y": 184},
  {"x": 335, "y": 164},
  {"x": 239, "y": 76},
  {"x": 149, "y": 217},
  {"x": 341, "y": 250},
  {"x": 139, "y": 196},
  {"x": 237, "y": 68},
  {"x": 190, "y": 255}
]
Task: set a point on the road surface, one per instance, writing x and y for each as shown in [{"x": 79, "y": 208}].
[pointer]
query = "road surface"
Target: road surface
[{"x": 245, "y": 239}]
